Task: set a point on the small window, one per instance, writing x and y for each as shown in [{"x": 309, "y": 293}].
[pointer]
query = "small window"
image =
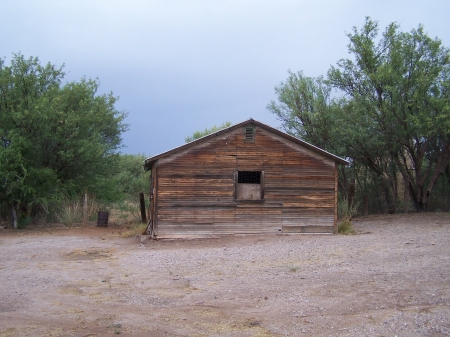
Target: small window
[
  {"x": 249, "y": 134},
  {"x": 249, "y": 185},
  {"x": 249, "y": 177}
]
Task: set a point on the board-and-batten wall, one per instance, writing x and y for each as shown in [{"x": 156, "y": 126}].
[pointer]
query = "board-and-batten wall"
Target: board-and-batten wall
[{"x": 195, "y": 189}]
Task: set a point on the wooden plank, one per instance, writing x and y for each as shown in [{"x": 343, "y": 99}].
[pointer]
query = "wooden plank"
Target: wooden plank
[
  {"x": 155, "y": 172},
  {"x": 335, "y": 225},
  {"x": 308, "y": 229}
]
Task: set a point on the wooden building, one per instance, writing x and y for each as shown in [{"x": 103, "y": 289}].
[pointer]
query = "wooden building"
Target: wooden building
[{"x": 248, "y": 178}]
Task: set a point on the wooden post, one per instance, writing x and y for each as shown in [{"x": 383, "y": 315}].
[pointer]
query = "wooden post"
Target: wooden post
[
  {"x": 150, "y": 196},
  {"x": 366, "y": 204},
  {"x": 142, "y": 202},
  {"x": 85, "y": 210}
]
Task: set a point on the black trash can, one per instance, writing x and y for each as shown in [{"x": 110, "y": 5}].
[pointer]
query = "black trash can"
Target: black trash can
[{"x": 102, "y": 219}]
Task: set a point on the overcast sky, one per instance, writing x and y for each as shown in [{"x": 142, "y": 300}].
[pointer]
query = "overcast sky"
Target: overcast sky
[{"x": 181, "y": 66}]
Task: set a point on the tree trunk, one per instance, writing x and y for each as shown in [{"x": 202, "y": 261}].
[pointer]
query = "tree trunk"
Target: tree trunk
[
  {"x": 414, "y": 198},
  {"x": 14, "y": 216},
  {"x": 343, "y": 181},
  {"x": 389, "y": 200},
  {"x": 421, "y": 207},
  {"x": 388, "y": 197},
  {"x": 365, "y": 205},
  {"x": 351, "y": 196},
  {"x": 405, "y": 197},
  {"x": 442, "y": 162},
  {"x": 85, "y": 210},
  {"x": 418, "y": 192}
]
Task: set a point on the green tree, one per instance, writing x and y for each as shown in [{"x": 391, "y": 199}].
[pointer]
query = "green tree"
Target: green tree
[
  {"x": 200, "y": 134},
  {"x": 131, "y": 179},
  {"x": 55, "y": 138},
  {"x": 13, "y": 174},
  {"x": 307, "y": 110},
  {"x": 399, "y": 89},
  {"x": 393, "y": 115}
]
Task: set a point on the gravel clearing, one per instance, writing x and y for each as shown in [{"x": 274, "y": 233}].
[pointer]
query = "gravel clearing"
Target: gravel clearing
[{"x": 391, "y": 279}]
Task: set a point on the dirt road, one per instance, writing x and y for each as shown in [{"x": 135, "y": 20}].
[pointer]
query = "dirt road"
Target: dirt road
[{"x": 392, "y": 279}]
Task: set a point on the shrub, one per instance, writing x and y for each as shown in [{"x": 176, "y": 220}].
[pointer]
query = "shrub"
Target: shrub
[
  {"x": 346, "y": 227},
  {"x": 345, "y": 210},
  {"x": 69, "y": 212}
]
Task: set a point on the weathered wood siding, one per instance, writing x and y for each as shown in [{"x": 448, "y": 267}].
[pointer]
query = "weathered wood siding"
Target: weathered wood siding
[{"x": 195, "y": 189}]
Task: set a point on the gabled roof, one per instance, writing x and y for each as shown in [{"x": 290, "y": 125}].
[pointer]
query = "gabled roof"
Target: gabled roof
[{"x": 148, "y": 163}]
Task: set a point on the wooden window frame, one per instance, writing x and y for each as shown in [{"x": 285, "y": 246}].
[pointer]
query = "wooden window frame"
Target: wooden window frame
[
  {"x": 261, "y": 187},
  {"x": 249, "y": 134}
]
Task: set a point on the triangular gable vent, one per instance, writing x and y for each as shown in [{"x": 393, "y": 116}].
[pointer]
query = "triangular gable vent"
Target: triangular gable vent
[{"x": 249, "y": 133}]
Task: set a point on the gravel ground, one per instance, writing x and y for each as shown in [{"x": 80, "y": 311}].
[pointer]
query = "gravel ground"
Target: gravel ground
[{"x": 391, "y": 279}]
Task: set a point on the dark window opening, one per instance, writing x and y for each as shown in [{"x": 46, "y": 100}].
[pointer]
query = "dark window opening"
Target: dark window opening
[
  {"x": 249, "y": 186},
  {"x": 249, "y": 177}
]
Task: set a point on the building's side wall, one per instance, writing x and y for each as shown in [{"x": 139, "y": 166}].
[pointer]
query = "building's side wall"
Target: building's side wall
[{"x": 195, "y": 189}]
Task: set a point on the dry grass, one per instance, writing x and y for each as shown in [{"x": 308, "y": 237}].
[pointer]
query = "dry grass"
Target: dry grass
[
  {"x": 346, "y": 213},
  {"x": 346, "y": 227},
  {"x": 69, "y": 212},
  {"x": 135, "y": 230}
]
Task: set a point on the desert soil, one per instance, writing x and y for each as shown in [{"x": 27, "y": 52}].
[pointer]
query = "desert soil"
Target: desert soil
[{"x": 391, "y": 279}]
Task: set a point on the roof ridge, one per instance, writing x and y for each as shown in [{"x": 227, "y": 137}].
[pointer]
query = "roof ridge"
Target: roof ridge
[{"x": 149, "y": 161}]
